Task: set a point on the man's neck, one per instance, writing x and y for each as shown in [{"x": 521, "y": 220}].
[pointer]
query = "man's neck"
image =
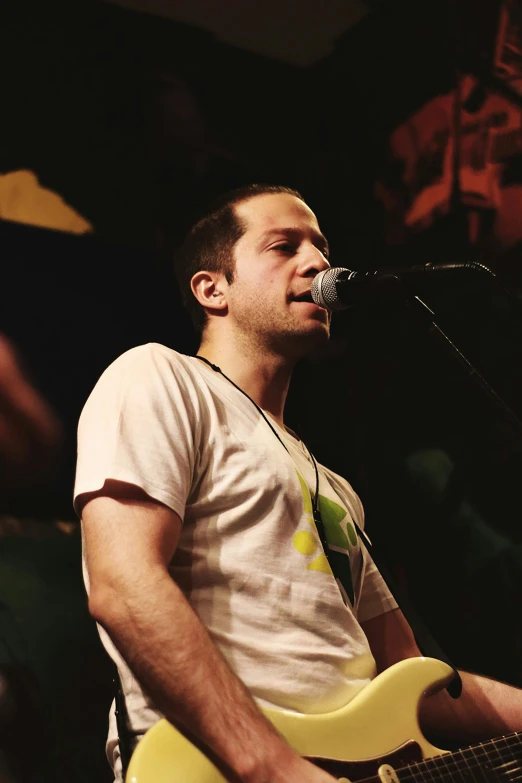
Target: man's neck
[{"x": 263, "y": 376}]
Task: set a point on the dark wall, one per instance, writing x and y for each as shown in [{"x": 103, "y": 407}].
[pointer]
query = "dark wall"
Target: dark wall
[
  {"x": 134, "y": 119},
  {"x": 135, "y": 122},
  {"x": 430, "y": 446}
]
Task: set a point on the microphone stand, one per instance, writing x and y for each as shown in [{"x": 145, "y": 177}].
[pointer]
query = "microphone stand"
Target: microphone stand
[
  {"x": 425, "y": 640},
  {"x": 442, "y": 339}
]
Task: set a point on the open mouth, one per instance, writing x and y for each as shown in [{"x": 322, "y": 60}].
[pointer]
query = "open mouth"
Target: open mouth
[{"x": 304, "y": 298}]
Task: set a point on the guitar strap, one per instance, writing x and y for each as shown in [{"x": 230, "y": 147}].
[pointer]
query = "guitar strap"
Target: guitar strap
[
  {"x": 425, "y": 641},
  {"x": 124, "y": 742}
]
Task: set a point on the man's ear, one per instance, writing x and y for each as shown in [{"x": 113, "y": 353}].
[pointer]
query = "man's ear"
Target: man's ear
[{"x": 208, "y": 288}]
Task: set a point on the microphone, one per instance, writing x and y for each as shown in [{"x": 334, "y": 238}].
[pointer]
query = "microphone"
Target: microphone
[{"x": 338, "y": 288}]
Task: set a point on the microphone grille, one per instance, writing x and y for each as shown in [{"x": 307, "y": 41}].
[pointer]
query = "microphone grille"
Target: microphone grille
[{"x": 324, "y": 288}]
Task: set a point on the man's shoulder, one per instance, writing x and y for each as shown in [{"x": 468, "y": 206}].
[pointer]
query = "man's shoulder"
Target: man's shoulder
[
  {"x": 143, "y": 367},
  {"x": 150, "y": 349},
  {"x": 149, "y": 354},
  {"x": 147, "y": 374}
]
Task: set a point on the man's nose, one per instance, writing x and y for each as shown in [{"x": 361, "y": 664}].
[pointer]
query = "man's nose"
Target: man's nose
[{"x": 313, "y": 262}]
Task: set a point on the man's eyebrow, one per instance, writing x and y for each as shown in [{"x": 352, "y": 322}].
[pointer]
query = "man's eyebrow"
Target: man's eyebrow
[{"x": 319, "y": 239}]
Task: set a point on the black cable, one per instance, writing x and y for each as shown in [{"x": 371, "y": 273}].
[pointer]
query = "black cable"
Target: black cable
[{"x": 425, "y": 640}]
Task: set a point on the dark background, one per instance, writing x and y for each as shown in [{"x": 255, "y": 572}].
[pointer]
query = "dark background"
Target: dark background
[{"x": 136, "y": 121}]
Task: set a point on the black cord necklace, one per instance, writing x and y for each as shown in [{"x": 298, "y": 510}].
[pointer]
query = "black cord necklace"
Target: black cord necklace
[
  {"x": 315, "y": 499},
  {"x": 422, "y": 634}
]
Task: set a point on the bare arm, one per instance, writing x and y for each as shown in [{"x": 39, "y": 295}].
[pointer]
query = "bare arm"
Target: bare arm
[
  {"x": 129, "y": 542},
  {"x": 486, "y": 708}
]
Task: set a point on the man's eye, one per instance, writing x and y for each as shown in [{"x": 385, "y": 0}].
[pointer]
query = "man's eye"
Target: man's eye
[{"x": 284, "y": 247}]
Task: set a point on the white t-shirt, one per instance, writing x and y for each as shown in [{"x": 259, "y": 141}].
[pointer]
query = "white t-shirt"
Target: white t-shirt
[{"x": 249, "y": 557}]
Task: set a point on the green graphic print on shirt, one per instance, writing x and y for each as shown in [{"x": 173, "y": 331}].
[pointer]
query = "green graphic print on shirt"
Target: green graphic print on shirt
[{"x": 340, "y": 534}]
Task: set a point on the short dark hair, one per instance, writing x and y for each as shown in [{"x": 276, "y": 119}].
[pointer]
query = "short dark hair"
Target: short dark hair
[{"x": 209, "y": 245}]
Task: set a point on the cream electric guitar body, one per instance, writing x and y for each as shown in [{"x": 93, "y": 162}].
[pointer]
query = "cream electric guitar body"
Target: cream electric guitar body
[{"x": 376, "y": 731}]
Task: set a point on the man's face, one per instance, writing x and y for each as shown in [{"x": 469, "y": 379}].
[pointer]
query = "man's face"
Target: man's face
[{"x": 276, "y": 260}]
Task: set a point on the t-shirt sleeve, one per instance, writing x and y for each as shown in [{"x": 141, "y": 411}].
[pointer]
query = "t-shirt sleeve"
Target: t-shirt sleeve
[
  {"x": 141, "y": 424},
  {"x": 375, "y": 597}
]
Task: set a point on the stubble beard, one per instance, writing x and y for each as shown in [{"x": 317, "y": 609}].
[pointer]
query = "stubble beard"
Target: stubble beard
[{"x": 262, "y": 333}]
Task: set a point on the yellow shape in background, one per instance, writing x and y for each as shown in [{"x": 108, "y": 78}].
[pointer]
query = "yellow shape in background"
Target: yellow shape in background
[{"x": 24, "y": 200}]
